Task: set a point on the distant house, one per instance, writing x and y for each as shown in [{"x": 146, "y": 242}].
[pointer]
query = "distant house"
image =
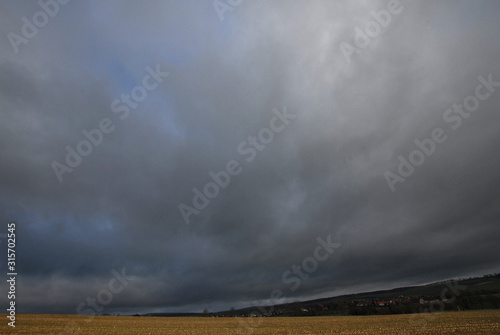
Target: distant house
[{"x": 385, "y": 303}]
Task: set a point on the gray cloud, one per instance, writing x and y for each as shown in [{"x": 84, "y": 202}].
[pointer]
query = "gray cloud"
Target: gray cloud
[{"x": 322, "y": 175}]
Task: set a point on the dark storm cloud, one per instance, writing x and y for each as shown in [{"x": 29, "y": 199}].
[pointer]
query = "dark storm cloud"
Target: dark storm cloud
[{"x": 322, "y": 175}]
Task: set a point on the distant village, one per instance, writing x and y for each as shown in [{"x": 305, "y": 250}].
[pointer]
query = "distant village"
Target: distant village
[
  {"x": 354, "y": 307},
  {"x": 469, "y": 294}
]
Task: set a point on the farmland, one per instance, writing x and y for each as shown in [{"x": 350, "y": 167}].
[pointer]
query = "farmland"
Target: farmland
[{"x": 468, "y": 322}]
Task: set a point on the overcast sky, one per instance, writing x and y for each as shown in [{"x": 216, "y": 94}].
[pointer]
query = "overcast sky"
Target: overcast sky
[{"x": 312, "y": 124}]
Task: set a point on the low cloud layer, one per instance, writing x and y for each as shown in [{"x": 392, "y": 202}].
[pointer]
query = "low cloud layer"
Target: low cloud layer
[{"x": 357, "y": 98}]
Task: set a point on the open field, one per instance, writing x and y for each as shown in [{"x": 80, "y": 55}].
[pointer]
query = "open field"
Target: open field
[{"x": 469, "y": 322}]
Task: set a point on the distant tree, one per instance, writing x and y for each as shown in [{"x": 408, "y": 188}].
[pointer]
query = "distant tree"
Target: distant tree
[{"x": 296, "y": 308}]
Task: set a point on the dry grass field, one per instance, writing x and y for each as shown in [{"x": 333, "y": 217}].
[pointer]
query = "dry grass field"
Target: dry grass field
[{"x": 470, "y": 322}]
